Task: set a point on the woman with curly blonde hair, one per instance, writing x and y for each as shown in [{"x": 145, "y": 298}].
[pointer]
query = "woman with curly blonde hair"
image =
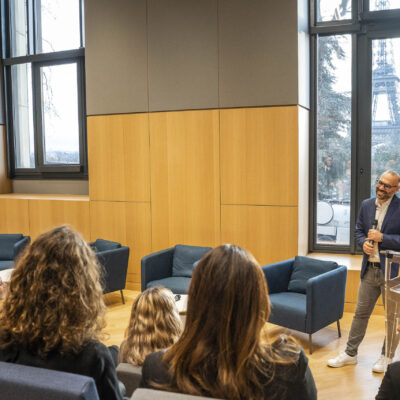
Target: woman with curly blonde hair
[
  {"x": 53, "y": 313},
  {"x": 223, "y": 351},
  {"x": 154, "y": 325}
]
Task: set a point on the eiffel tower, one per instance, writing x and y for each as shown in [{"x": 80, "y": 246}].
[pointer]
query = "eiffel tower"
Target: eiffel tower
[{"x": 385, "y": 83}]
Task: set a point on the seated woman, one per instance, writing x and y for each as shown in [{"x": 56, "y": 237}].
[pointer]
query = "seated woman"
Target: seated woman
[
  {"x": 154, "y": 325},
  {"x": 54, "y": 311},
  {"x": 223, "y": 351}
]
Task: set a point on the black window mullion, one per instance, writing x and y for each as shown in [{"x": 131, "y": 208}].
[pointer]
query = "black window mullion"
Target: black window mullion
[
  {"x": 37, "y": 15},
  {"x": 82, "y": 111},
  {"x": 354, "y": 152},
  {"x": 37, "y": 114}
]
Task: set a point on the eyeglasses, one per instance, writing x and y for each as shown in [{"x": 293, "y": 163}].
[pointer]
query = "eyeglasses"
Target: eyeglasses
[{"x": 385, "y": 185}]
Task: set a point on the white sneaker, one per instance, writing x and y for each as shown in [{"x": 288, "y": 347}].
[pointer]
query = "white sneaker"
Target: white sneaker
[
  {"x": 341, "y": 360},
  {"x": 379, "y": 366}
]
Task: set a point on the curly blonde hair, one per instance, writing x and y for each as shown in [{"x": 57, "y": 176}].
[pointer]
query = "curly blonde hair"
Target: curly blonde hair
[
  {"x": 55, "y": 299},
  {"x": 154, "y": 325}
]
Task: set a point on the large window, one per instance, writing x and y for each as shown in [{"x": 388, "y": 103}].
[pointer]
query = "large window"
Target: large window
[
  {"x": 356, "y": 111},
  {"x": 43, "y": 58}
]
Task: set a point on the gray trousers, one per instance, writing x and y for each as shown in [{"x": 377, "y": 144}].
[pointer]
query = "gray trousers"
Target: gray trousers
[{"x": 371, "y": 286}]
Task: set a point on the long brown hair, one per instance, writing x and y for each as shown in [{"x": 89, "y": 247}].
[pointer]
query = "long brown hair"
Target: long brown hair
[
  {"x": 55, "y": 299},
  {"x": 154, "y": 325},
  {"x": 223, "y": 351}
]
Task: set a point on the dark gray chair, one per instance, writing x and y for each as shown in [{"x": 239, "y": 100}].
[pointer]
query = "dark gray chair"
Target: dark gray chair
[
  {"x": 306, "y": 294},
  {"x": 114, "y": 258},
  {"x": 20, "y": 382},
  {"x": 10, "y": 246},
  {"x": 171, "y": 268},
  {"x": 130, "y": 375}
]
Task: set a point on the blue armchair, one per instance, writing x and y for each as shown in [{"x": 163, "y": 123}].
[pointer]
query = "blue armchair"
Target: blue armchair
[
  {"x": 171, "y": 268},
  {"x": 113, "y": 257},
  {"x": 306, "y": 294},
  {"x": 10, "y": 246},
  {"x": 24, "y": 382}
]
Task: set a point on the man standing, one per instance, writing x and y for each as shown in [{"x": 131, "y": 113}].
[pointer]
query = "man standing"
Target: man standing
[{"x": 385, "y": 209}]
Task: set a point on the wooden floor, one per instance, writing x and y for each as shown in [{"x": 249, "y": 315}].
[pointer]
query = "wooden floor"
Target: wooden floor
[{"x": 351, "y": 382}]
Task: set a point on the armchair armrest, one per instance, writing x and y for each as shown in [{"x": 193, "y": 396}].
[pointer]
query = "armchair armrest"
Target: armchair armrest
[
  {"x": 20, "y": 245},
  {"x": 278, "y": 275},
  {"x": 156, "y": 266},
  {"x": 325, "y": 298},
  {"x": 115, "y": 267},
  {"x": 130, "y": 375}
]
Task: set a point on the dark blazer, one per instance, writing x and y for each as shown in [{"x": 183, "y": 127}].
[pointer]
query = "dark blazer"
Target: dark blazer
[
  {"x": 390, "y": 386},
  {"x": 390, "y": 229},
  {"x": 290, "y": 381}
]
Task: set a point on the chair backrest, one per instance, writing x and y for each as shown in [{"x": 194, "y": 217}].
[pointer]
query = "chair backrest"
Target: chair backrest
[
  {"x": 20, "y": 382},
  {"x": 185, "y": 258},
  {"x": 130, "y": 375},
  {"x": 147, "y": 394},
  {"x": 7, "y": 242}
]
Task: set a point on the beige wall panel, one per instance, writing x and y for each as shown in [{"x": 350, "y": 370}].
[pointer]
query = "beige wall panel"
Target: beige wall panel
[
  {"x": 127, "y": 223},
  {"x": 185, "y": 186},
  {"x": 259, "y": 156},
  {"x": 14, "y": 216},
  {"x": 5, "y": 183},
  {"x": 118, "y": 151},
  {"x": 270, "y": 233},
  {"x": 47, "y": 214}
]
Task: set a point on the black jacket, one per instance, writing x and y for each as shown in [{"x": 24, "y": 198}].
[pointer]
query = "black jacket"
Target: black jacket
[{"x": 292, "y": 381}]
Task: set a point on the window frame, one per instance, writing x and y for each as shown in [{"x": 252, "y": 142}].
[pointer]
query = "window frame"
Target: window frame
[
  {"x": 364, "y": 26},
  {"x": 42, "y": 170}
]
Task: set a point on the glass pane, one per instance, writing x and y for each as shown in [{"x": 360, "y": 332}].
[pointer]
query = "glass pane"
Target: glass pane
[
  {"x": 334, "y": 140},
  {"x": 60, "y": 114},
  {"x": 18, "y": 28},
  {"x": 333, "y": 10},
  {"x": 377, "y": 5},
  {"x": 58, "y": 26},
  {"x": 22, "y": 116},
  {"x": 385, "y": 135}
]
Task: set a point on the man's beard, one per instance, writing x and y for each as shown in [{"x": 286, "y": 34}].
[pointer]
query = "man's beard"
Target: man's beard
[{"x": 382, "y": 195}]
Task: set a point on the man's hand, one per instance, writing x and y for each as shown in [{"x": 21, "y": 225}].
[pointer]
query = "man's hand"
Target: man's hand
[
  {"x": 368, "y": 247},
  {"x": 375, "y": 235}
]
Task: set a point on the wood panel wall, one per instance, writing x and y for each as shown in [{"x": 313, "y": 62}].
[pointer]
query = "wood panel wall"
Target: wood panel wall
[
  {"x": 118, "y": 151},
  {"x": 185, "y": 185},
  {"x": 201, "y": 177},
  {"x": 35, "y": 214}
]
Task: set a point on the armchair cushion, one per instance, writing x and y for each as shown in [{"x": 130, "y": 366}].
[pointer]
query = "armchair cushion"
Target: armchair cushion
[
  {"x": 184, "y": 258},
  {"x": 288, "y": 309},
  {"x": 103, "y": 245},
  {"x": 305, "y": 268},
  {"x": 177, "y": 284},
  {"x": 7, "y": 242},
  {"x": 6, "y": 264}
]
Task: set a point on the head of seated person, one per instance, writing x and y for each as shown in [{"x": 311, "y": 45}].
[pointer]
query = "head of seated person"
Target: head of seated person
[
  {"x": 154, "y": 325},
  {"x": 224, "y": 351},
  {"x": 54, "y": 312}
]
